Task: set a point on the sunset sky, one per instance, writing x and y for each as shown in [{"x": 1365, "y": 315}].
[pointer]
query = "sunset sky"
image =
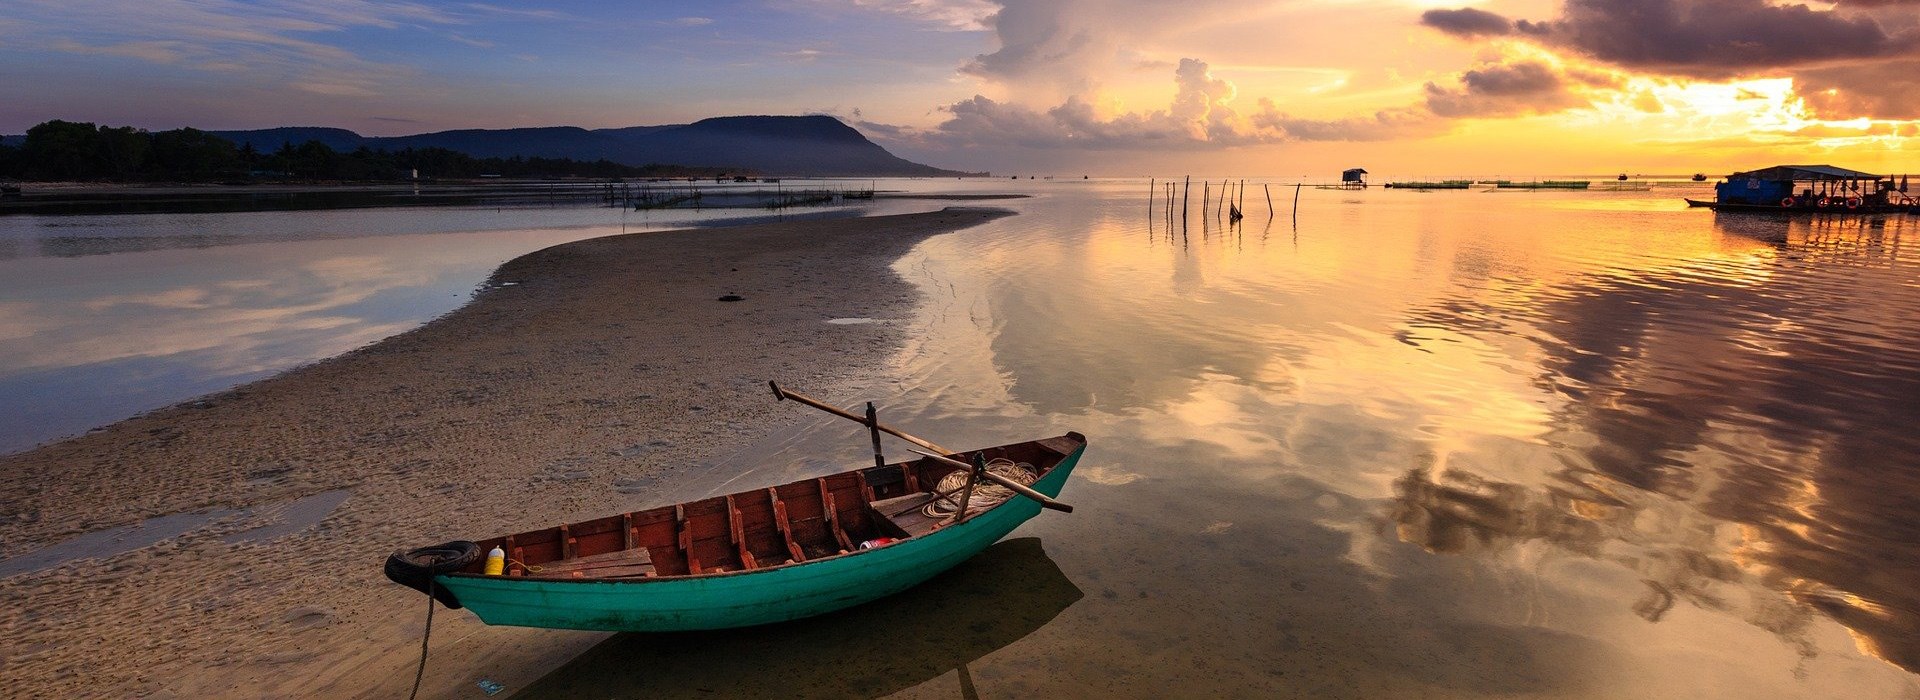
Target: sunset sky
[{"x": 1107, "y": 87}]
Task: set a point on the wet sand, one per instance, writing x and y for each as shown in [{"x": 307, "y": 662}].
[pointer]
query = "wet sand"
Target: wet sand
[{"x": 605, "y": 369}]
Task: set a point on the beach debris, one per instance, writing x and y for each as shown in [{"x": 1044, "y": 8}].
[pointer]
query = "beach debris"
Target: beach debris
[
  {"x": 731, "y": 297},
  {"x": 490, "y": 686}
]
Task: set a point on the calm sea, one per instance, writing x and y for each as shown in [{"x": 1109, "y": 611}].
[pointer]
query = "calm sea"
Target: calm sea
[{"x": 1407, "y": 444}]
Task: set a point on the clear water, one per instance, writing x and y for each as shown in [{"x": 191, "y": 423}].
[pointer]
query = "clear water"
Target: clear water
[
  {"x": 1446, "y": 444},
  {"x": 103, "y": 317}
]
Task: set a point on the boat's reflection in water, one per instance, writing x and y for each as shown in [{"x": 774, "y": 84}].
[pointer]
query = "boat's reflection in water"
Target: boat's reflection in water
[{"x": 988, "y": 602}]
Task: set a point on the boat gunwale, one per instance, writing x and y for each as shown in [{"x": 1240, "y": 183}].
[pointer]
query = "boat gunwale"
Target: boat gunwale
[{"x": 976, "y": 516}]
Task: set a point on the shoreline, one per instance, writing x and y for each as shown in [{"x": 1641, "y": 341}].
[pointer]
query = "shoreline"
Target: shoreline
[{"x": 608, "y": 367}]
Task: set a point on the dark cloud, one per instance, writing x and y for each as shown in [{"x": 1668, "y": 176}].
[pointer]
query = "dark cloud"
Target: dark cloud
[
  {"x": 1889, "y": 90},
  {"x": 1504, "y": 90},
  {"x": 1467, "y": 22},
  {"x": 1715, "y": 38},
  {"x": 1859, "y": 58}
]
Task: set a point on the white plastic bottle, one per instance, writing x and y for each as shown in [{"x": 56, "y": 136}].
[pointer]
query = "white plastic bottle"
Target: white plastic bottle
[{"x": 496, "y": 561}]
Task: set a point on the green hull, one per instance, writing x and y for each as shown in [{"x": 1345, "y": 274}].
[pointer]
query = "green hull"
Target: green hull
[{"x": 740, "y": 599}]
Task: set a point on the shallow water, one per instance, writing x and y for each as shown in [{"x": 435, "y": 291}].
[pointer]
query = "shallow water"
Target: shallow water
[
  {"x": 1450, "y": 444},
  {"x": 105, "y": 316},
  {"x": 1446, "y": 444}
]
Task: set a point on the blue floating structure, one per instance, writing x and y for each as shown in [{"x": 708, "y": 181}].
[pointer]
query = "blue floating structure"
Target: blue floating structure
[{"x": 1810, "y": 188}]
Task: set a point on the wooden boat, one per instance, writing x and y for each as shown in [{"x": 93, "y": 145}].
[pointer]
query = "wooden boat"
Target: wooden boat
[{"x": 754, "y": 557}]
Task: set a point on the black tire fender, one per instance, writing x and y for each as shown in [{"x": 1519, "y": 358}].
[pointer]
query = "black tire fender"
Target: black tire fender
[{"x": 415, "y": 569}]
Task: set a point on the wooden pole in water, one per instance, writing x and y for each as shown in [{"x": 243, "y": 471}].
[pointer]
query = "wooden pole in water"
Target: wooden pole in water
[
  {"x": 1269, "y": 191},
  {"x": 1296, "y": 201},
  {"x": 1186, "y": 191}
]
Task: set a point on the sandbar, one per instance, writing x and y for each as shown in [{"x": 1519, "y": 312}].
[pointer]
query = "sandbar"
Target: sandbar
[{"x": 579, "y": 371}]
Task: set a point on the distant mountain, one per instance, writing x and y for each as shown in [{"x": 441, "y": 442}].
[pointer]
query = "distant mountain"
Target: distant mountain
[{"x": 805, "y": 146}]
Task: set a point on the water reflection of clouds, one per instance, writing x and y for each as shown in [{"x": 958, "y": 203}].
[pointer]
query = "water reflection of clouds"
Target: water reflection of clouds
[
  {"x": 93, "y": 339},
  {"x": 1754, "y": 411},
  {"x": 226, "y": 322},
  {"x": 1572, "y": 401}
]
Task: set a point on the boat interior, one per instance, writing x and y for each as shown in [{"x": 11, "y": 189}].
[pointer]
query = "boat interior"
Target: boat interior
[{"x": 793, "y": 523}]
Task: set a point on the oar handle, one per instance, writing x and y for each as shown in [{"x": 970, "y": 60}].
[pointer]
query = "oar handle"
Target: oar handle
[
  {"x": 782, "y": 394},
  {"x": 1015, "y": 486}
]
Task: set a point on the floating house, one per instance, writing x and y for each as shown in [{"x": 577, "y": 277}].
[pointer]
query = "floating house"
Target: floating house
[
  {"x": 1810, "y": 188},
  {"x": 1354, "y": 176}
]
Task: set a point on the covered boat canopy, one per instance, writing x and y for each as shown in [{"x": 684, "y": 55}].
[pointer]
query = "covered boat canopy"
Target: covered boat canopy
[
  {"x": 1804, "y": 172},
  {"x": 1813, "y": 187}
]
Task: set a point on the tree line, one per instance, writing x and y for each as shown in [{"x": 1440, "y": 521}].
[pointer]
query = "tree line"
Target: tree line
[{"x": 81, "y": 151}]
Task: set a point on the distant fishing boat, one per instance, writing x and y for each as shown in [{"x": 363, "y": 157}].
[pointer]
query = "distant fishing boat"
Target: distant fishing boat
[
  {"x": 1622, "y": 177},
  {"x": 1810, "y": 188},
  {"x": 758, "y": 556},
  {"x": 1430, "y": 185},
  {"x": 1699, "y": 177}
]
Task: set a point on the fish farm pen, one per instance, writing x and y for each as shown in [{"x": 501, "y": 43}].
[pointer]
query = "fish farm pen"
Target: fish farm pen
[{"x": 651, "y": 197}]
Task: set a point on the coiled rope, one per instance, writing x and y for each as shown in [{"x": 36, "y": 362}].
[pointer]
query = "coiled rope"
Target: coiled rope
[{"x": 986, "y": 494}]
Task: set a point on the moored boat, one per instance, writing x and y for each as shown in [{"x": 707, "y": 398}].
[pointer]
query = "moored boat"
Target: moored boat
[
  {"x": 759, "y": 556},
  {"x": 1811, "y": 189}
]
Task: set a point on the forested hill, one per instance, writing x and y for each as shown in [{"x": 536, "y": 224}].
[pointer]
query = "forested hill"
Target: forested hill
[{"x": 803, "y": 146}]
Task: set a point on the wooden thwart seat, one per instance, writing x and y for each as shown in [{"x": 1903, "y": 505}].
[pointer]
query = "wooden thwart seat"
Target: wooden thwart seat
[
  {"x": 905, "y": 513},
  {"x": 626, "y": 562}
]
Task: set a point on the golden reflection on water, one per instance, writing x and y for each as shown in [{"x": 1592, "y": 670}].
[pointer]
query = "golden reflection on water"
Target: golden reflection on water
[{"x": 1713, "y": 410}]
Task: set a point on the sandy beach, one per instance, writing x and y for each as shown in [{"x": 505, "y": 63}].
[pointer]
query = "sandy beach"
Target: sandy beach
[{"x": 593, "y": 369}]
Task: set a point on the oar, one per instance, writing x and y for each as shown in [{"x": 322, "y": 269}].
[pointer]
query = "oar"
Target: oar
[
  {"x": 1015, "y": 486},
  {"x": 782, "y": 394}
]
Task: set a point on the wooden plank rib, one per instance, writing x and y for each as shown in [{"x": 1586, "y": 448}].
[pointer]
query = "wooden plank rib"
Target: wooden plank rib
[
  {"x": 786, "y": 529},
  {"x": 737, "y": 533},
  {"x": 833, "y": 523},
  {"x": 685, "y": 539},
  {"x": 913, "y": 477},
  {"x": 629, "y": 533},
  {"x": 567, "y": 543},
  {"x": 865, "y": 490}
]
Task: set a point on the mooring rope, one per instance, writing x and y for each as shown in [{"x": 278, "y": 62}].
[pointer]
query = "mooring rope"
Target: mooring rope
[
  {"x": 986, "y": 494},
  {"x": 424, "y": 636}
]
